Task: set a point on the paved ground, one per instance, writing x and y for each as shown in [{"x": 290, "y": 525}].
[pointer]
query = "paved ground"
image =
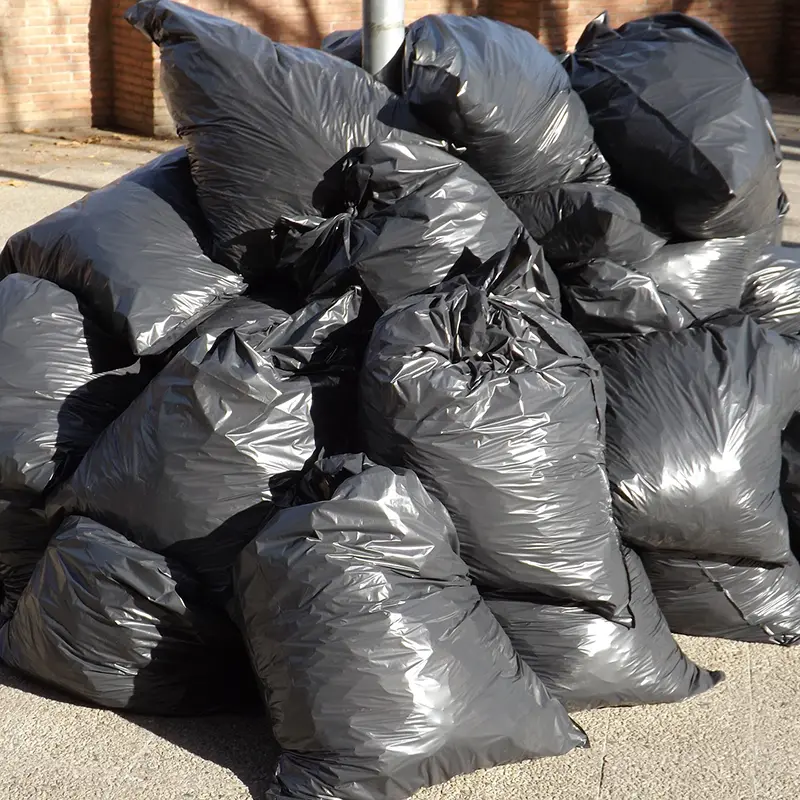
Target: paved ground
[{"x": 739, "y": 742}]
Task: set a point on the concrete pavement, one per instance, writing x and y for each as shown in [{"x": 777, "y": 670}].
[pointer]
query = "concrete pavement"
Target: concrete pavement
[{"x": 738, "y": 742}]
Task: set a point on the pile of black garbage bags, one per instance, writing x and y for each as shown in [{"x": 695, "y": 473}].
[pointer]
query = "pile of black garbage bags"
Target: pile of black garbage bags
[{"x": 427, "y": 408}]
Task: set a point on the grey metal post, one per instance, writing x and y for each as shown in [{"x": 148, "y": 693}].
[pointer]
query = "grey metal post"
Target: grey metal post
[{"x": 384, "y": 31}]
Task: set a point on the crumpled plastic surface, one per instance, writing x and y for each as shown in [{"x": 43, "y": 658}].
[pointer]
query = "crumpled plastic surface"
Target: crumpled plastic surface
[
  {"x": 734, "y": 599},
  {"x": 423, "y": 216},
  {"x": 589, "y": 662},
  {"x": 772, "y": 291},
  {"x": 492, "y": 89},
  {"x": 578, "y": 222},
  {"x": 694, "y": 422},
  {"x": 348, "y": 45},
  {"x": 115, "y": 625},
  {"x": 497, "y": 404},
  {"x": 133, "y": 254},
  {"x": 383, "y": 670},
  {"x": 24, "y": 535},
  {"x": 680, "y": 122},
  {"x": 53, "y": 401},
  {"x": 267, "y": 125},
  {"x": 196, "y": 464}
]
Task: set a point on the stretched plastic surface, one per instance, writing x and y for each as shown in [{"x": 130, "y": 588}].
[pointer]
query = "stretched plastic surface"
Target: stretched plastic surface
[
  {"x": 123, "y": 628},
  {"x": 680, "y": 122},
  {"x": 53, "y": 402},
  {"x": 133, "y": 254},
  {"x": 772, "y": 291},
  {"x": 497, "y": 405},
  {"x": 193, "y": 468},
  {"x": 24, "y": 534},
  {"x": 588, "y": 661},
  {"x": 349, "y": 46},
  {"x": 383, "y": 670},
  {"x": 578, "y": 222},
  {"x": 267, "y": 125},
  {"x": 734, "y": 599},
  {"x": 423, "y": 216},
  {"x": 494, "y": 90},
  {"x": 694, "y": 422}
]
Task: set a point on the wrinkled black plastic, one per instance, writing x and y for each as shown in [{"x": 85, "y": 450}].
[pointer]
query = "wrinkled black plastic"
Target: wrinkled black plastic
[
  {"x": 492, "y": 89},
  {"x": 192, "y": 469},
  {"x": 53, "y": 401},
  {"x": 349, "y": 44},
  {"x": 24, "y": 534},
  {"x": 588, "y": 661},
  {"x": 578, "y": 222},
  {"x": 680, "y": 122},
  {"x": 497, "y": 405},
  {"x": 680, "y": 283},
  {"x": 123, "y": 628},
  {"x": 133, "y": 254},
  {"x": 423, "y": 216},
  {"x": 772, "y": 292},
  {"x": 383, "y": 670},
  {"x": 734, "y": 599},
  {"x": 694, "y": 422},
  {"x": 267, "y": 125}
]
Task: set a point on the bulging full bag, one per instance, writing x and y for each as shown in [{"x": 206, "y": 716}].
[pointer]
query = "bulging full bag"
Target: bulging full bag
[
  {"x": 365, "y": 632},
  {"x": 421, "y": 216},
  {"x": 497, "y": 405},
  {"x": 196, "y": 464},
  {"x": 681, "y": 123},
  {"x": 134, "y": 254},
  {"x": 120, "y": 627},
  {"x": 493, "y": 90},
  {"x": 588, "y": 661},
  {"x": 267, "y": 125},
  {"x": 772, "y": 291}
]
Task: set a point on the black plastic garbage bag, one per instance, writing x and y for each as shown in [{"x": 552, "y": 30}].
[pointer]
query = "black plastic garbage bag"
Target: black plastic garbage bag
[
  {"x": 123, "y": 628},
  {"x": 587, "y": 661},
  {"x": 772, "y": 291},
  {"x": 383, "y": 670},
  {"x": 680, "y": 122},
  {"x": 267, "y": 125},
  {"x": 694, "y": 422},
  {"x": 578, "y": 222},
  {"x": 732, "y": 599},
  {"x": 24, "y": 535},
  {"x": 133, "y": 254},
  {"x": 53, "y": 401},
  {"x": 604, "y": 299},
  {"x": 195, "y": 466},
  {"x": 494, "y": 90},
  {"x": 423, "y": 216},
  {"x": 349, "y": 46},
  {"x": 497, "y": 404}
]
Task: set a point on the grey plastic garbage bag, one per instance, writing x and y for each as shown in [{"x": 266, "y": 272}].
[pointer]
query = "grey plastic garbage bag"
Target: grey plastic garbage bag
[
  {"x": 54, "y": 402},
  {"x": 423, "y": 216},
  {"x": 772, "y": 291},
  {"x": 133, "y": 254},
  {"x": 497, "y": 405},
  {"x": 24, "y": 535},
  {"x": 588, "y": 661},
  {"x": 383, "y": 670},
  {"x": 123, "y": 628},
  {"x": 267, "y": 125},
  {"x": 349, "y": 46},
  {"x": 494, "y": 90},
  {"x": 730, "y": 599},
  {"x": 694, "y": 422},
  {"x": 578, "y": 222},
  {"x": 192, "y": 469},
  {"x": 680, "y": 122}
]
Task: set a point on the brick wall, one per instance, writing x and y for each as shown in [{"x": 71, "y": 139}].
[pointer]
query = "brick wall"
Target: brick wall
[
  {"x": 45, "y": 78},
  {"x": 68, "y": 62}
]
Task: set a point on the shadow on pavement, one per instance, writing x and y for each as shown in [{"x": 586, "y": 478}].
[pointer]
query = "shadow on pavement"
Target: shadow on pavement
[{"x": 28, "y": 178}]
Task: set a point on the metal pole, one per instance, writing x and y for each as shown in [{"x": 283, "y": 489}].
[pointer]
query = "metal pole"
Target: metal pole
[{"x": 384, "y": 32}]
